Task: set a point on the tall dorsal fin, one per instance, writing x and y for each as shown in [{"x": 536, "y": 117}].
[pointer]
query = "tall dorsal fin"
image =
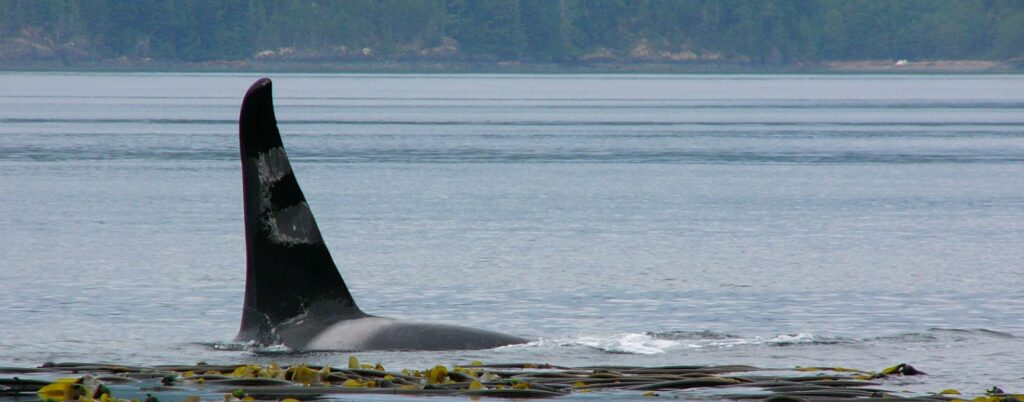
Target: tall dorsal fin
[{"x": 288, "y": 266}]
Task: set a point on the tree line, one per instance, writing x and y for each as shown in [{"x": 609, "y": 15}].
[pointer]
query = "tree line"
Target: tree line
[{"x": 559, "y": 31}]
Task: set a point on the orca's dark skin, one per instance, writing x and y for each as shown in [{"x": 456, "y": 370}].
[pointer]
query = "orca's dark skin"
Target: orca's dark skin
[{"x": 294, "y": 294}]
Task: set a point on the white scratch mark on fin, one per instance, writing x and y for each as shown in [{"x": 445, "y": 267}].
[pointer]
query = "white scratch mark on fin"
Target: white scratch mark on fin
[
  {"x": 293, "y": 225},
  {"x": 290, "y": 225},
  {"x": 272, "y": 165}
]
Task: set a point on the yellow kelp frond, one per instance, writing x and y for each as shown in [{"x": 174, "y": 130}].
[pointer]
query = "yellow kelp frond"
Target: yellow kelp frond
[
  {"x": 324, "y": 372},
  {"x": 63, "y": 389},
  {"x": 437, "y": 375},
  {"x": 271, "y": 371},
  {"x": 467, "y": 371},
  {"x": 246, "y": 371},
  {"x": 302, "y": 374}
]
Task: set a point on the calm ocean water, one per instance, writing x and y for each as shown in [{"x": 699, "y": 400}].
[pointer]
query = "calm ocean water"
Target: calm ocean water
[{"x": 779, "y": 221}]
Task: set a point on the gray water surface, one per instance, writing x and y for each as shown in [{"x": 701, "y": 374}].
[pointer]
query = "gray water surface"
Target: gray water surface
[{"x": 778, "y": 221}]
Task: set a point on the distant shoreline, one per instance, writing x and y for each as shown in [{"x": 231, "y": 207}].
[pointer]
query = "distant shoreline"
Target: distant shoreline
[{"x": 466, "y": 67}]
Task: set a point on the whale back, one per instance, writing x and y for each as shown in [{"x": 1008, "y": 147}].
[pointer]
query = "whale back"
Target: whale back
[{"x": 289, "y": 269}]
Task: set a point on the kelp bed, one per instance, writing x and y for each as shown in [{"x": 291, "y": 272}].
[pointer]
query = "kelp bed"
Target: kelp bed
[{"x": 202, "y": 382}]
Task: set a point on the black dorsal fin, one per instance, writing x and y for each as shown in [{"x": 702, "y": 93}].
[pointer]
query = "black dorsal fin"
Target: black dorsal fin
[{"x": 288, "y": 266}]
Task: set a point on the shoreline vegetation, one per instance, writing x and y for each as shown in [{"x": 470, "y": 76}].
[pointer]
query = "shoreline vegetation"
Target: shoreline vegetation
[{"x": 515, "y": 36}]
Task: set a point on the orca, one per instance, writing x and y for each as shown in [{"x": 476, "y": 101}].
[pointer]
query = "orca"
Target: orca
[{"x": 294, "y": 294}]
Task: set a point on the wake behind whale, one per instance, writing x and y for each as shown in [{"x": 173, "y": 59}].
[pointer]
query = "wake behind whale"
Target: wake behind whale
[{"x": 294, "y": 294}]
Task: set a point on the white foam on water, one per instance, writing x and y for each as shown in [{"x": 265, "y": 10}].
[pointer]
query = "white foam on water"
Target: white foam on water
[
  {"x": 650, "y": 344},
  {"x": 250, "y": 346},
  {"x": 630, "y": 343},
  {"x": 641, "y": 344},
  {"x": 788, "y": 339}
]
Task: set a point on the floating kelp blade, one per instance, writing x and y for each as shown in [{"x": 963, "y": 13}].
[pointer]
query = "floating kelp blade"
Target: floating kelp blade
[{"x": 88, "y": 382}]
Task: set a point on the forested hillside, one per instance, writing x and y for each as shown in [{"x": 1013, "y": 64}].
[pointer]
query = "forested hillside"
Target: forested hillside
[{"x": 768, "y": 32}]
